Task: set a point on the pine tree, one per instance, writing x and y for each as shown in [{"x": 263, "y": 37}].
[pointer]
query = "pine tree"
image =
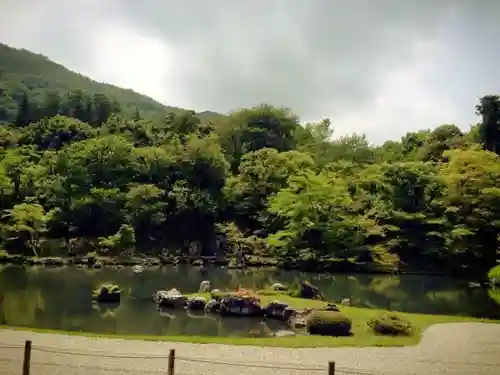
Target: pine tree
[{"x": 24, "y": 111}]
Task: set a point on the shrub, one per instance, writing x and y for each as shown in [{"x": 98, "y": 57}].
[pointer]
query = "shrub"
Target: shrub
[
  {"x": 332, "y": 323},
  {"x": 391, "y": 324},
  {"x": 107, "y": 293},
  {"x": 494, "y": 275}
]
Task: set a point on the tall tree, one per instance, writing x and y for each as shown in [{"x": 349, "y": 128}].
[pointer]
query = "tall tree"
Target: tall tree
[
  {"x": 24, "y": 111},
  {"x": 489, "y": 110}
]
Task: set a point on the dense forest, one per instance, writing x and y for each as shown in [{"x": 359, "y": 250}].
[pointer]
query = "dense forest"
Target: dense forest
[{"x": 84, "y": 167}]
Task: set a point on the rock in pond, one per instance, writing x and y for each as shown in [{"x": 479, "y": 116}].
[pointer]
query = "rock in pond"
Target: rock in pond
[
  {"x": 107, "y": 293},
  {"x": 197, "y": 303},
  {"x": 171, "y": 298},
  {"x": 276, "y": 310},
  {"x": 137, "y": 268},
  {"x": 212, "y": 306},
  {"x": 240, "y": 306},
  {"x": 298, "y": 318}
]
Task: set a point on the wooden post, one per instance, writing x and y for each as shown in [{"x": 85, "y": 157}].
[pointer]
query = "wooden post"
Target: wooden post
[
  {"x": 27, "y": 358},
  {"x": 171, "y": 362},
  {"x": 331, "y": 368}
]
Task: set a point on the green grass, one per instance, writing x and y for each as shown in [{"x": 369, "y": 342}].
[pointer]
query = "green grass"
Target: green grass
[{"x": 363, "y": 336}]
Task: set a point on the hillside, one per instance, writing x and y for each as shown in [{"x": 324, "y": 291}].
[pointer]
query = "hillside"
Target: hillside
[{"x": 24, "y": 71}]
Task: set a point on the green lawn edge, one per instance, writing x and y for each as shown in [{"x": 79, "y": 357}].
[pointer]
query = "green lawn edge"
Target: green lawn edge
[{"x": 362, "y": 334}]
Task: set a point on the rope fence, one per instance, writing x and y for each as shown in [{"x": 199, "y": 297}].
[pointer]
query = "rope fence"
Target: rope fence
[{"x": 172, "y": 359}]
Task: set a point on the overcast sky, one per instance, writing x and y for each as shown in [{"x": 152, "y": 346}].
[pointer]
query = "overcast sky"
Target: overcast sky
[{"x": 380, "y": 67}]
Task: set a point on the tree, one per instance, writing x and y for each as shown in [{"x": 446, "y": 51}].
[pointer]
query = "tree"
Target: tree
[
  {"x": 444, "y": 137},
  {"x": 471, "y": 202},
  {"x": 122, "y": 240},
  {"x": 27, "y": 222},
  {"x": 24, "y": 111},
  {"x": 261, "y": 174},
  {"x": 259, "y": 127},
  {"x": 489, "y": 110},
  {"x": 316, "y": 211}
]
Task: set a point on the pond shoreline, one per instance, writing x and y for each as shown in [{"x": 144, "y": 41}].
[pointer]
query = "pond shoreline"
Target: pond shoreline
[
  {"x": 331, "y": 266},
  {"x": 424, "y": 322}
]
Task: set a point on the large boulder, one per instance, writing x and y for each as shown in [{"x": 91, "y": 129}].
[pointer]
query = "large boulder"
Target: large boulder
[
  {"x": 197, "y": 303},
  {"x": 240, "y": 306},
  {"x": 276, "y": 310},
  {"x": 171, "y": 298},
  {"x": 107, "y": 293},
  {"x": 309, "y": 291}
]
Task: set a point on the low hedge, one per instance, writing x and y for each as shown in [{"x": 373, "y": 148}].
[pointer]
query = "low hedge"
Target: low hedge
[
  {"x": 391, "y": 324},
  {"x": 328, "y": 323}
]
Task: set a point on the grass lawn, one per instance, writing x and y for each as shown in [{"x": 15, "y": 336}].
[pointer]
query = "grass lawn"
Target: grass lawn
[{"x": 362, "y": 334}]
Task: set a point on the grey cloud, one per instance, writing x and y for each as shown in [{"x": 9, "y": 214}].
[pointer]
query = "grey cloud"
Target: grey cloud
[{"x": 313, "y": 56}]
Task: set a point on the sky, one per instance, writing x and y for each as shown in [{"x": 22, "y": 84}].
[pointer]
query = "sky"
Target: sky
[{"x": 379, "y": 67}]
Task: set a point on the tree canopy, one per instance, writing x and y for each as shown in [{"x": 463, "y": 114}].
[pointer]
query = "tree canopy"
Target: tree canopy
[{"x": 82, "y": 163}]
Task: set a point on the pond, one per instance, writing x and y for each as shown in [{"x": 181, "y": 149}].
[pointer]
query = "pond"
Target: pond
[{"x": 60, "y": 298}]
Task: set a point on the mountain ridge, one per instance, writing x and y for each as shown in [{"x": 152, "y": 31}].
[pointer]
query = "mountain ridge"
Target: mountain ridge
[{"x": 24, "y": 71}]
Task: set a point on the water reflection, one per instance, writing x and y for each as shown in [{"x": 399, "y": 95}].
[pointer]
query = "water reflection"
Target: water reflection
[{"x": 60, "y": 298}]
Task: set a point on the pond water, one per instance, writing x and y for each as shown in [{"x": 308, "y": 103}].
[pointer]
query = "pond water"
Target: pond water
[{"x": 60, "y": 298}]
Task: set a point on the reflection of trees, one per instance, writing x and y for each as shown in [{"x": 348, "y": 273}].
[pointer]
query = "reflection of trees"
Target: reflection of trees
[
  {"x": 248, "y": 327},
  {"x": 106, "y": 310},
  {"x": 494, "y": 294},
  {"x": 20, "y": 306}
]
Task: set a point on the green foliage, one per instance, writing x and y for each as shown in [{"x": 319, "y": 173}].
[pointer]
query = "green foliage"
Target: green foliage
[
  {"x": 107, "y": 293},
  {"x": 124, "y": 239},
  {"x": 494, "y": 275},
  {"x": 391, "y": 324},
  {"x": 99, "y": 167},
  {"x": 330, "y": 323}
]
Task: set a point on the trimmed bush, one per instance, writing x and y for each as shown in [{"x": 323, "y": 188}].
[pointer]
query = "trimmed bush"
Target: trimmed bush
[
  {"x": 391, "y": 324},
  {"x": 331, "y": 323},
  {"x": 494, "y": 275}
]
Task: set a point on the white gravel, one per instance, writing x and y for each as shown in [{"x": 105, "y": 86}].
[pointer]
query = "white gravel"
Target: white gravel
[{"x": 445, "y": 349}]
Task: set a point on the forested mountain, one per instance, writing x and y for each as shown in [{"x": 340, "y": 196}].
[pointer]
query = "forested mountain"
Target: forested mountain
[
  {"x": 22, "y": 71},
  {"x": 85, "y": 172}
]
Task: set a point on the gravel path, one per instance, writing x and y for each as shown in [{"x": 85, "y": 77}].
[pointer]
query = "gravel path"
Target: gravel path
[{"x": 445, "y": 349}]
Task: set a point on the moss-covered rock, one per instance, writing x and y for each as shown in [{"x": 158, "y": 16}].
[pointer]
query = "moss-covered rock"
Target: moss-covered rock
[
  {"x": 107, "y": 293},
  {"x": 391, "y": 324},
  {"x": 330, "y": 323}
]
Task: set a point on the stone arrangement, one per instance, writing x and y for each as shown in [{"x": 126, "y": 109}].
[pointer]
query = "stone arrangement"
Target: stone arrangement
[{"x": 243, "y": 304}]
